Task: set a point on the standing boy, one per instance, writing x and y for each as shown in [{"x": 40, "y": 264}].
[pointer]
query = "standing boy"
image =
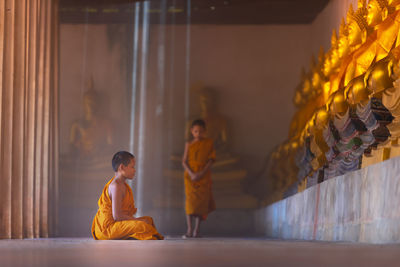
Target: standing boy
[{"x": 198, "y": 157}]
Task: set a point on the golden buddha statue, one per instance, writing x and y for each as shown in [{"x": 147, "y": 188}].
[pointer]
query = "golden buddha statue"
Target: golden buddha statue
[
  {"x": 362, "y": 39},
  {"x": 381, "y": 18},
  {"x": 378, "y": 82},
  {"x": 358, "y": 95},
  {"x": 92, "y": 133},
  {"x": 380, "y": 78},
  {"x": 216, "y": 125}
]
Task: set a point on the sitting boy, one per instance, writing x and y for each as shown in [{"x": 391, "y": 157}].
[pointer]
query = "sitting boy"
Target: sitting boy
[{"x": 114, "y": 219}]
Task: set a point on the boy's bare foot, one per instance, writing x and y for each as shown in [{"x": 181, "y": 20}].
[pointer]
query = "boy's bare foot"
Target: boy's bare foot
[
  {"x": 185, "y": 236},
  {"x": 197, "y": 235}
]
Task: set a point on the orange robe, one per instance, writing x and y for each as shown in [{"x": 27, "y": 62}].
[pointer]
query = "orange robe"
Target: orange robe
[
  {"x": 104, "y": 226},
  {"x": 199, "y": 197}
]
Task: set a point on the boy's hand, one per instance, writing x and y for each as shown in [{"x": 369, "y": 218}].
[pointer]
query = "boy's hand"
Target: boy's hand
[
  {"x": 143, "y": 220},
  {"x": 196, "y": 176}
]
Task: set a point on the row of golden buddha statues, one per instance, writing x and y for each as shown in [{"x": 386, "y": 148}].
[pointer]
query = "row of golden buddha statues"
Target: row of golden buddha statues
[{"x": 348, "y": 104}]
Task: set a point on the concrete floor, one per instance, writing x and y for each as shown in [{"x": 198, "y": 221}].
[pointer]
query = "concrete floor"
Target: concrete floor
[{"x": 194, "y": 252}]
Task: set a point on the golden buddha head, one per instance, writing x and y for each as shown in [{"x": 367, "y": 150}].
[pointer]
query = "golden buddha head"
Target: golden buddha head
[
  {"x": 343, "y": 46},
  {"x": 358, "y": 26},
  {"x": 90, "y": 104},
  {"x": 207, "y": 99},
  {"x": 377, "y": 11},
  {"x": 379, "y": 76}
]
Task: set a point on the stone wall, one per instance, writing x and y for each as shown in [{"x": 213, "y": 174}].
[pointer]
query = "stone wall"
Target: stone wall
[{"x": 361, "y": 206}]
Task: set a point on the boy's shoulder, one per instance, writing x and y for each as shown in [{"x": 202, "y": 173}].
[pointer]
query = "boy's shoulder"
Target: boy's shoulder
[{"x": 117, "y": 183}]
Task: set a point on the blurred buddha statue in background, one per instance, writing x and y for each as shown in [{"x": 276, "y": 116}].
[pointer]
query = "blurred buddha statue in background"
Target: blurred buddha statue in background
[
  {"x": 216, "y": 123},
  {"x": 217, "y": 127},
  {"x": 92, "y": 133}
]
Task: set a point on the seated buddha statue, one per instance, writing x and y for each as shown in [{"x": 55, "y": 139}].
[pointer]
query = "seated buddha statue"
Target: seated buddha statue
[
  {"x": 378, "y": 82},
  {"x": 382, "y": 17},
  {"x": 217, "y": 127},
  {"x": 362, "y": 39},
  {"x": 358, "y": 96},
  {"x": 342, "y": 137},
  {"x": 92, "y": 133},
  {"x": 348, "y": 126},
  {"x": 382, "y": 27},
  {"x": 380, "y": 79}
]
